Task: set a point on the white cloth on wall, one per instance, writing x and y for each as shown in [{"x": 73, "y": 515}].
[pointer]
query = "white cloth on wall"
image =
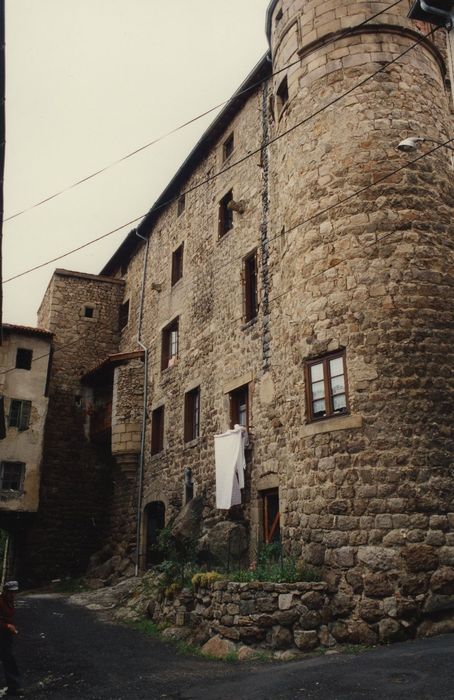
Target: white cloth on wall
[{"x": 230, "y": 465}]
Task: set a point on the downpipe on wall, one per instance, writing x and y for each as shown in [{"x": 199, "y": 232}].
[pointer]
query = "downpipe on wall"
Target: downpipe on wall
[{"x": 145, "y": 403}]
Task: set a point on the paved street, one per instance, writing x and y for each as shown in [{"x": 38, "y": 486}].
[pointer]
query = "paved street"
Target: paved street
[{"x": 68, "y": 653}]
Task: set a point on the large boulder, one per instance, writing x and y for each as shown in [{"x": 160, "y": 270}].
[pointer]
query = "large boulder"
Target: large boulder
[
  {"x": 226, "y": 542},
  {"x": 189, "y": 519}
]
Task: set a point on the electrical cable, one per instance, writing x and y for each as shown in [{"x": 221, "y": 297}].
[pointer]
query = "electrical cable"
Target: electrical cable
[
  {"x": 229, "y": 167},
  {"x": 252, "y": 87}
]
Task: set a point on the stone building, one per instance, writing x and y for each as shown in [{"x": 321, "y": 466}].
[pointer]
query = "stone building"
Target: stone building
[
  {"x": 25, "y": 358},
  {"x": 294, "y": 277}
]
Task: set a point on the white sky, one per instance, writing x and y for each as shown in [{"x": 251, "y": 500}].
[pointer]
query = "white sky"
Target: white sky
[{"x": 87, "y": 82}]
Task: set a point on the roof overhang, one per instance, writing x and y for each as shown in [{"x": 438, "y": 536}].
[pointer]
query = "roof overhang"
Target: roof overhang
[
  {"x": 108, "y": 365},
  {"x": 26, "y": 330},
  {"x": 438, "y": 12}
]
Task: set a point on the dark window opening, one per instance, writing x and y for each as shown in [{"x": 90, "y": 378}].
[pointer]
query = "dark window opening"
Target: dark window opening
[
  {"x": 225, "y": 214},
  {"x": 177, "y": 264},
  {"x": 169, "y": 345},
  {"x": 279, "y": 16},
  {"x": 89, "y": 311},
  {"x": 24, "y": 358},
  {"x": 250, "y": 287},
  {"x": 19, "y": 414},
  {"x": 282, "y": 95},
  {"x": 157, "y": 430},
  {"x": 270, "y": 516},
  {"x": 192, "y": 415},
  {"x": 123, "y": 316},
  {"x": 228, "y": 146},
  {"x": 239, "y": 407},
  {"x": 11, "y": 476},
  {"x": 181, "y": 204},
  {"x": 155, "y": 514},
  {"x": 326, "y": 382}
]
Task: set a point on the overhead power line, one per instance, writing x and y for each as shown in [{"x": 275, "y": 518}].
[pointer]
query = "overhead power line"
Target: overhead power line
[
  {"x": 249, "y": 155},
  {"x": 158, "y": 139}
]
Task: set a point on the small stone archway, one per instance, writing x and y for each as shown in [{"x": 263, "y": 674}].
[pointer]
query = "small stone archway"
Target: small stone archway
[{"x": 154, "y": 521}]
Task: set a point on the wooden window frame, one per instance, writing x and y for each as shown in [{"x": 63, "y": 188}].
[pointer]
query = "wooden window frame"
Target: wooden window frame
[
  {"x": 19, "y": 414},
  {"x": 250, "y": 288},
  {"x": 177, "y": 264},
  {"x": 225, "y": 214},
  {"x": 24, "y": 358},
  {"x": 157, "y": 430},
  {"x": 235, "y": 399},
  {"x": 21, "y": 475},
  {"x": 330, "y": 412},
  {"x": 228, "y": 147},
  {"x": 269, "y": 531},
  {"x": 123, "y": 315},
  {"x": 170, "y": 345},
  {"x": 192, "y": 415}
]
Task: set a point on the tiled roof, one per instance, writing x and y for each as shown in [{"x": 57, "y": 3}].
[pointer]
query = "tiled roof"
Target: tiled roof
[{"x": 26, "y": 330}]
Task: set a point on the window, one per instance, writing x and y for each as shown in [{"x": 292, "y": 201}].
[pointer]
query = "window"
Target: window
[
  {"x": 250, "y": 287},
  {"x": 19, "y": 414},
  {"x": 181, "y": 204},
  {"x": 89, "y": 311},
  {"x": 270, "y": 516},
  {"x": 123, "y": 316},
  {"x": 239, "y": 408},
  {"x": 282, "y": 95},
  {"x": 279, "y": 16},
  {"x": 192, "y": 415},
  {"x": 227, "y": 147},
  {"x": 24, "y": 358},
  {"x": 157, "y": 430},
  {"x": 225, "y": 214},
  {"x": 326, "y": 387},
  {"x": 11, "y": 476},
  {"x": 177, "y": 264},
  {"x": 169, "y": 345}
]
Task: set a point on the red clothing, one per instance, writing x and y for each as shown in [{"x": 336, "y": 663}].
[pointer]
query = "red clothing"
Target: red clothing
[{"x": 6, "y": 611}]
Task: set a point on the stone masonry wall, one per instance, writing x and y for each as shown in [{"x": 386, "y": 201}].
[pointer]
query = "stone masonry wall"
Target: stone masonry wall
[
  {"x": 75, "y": 484},
  {"x": 366, "y": 496}
]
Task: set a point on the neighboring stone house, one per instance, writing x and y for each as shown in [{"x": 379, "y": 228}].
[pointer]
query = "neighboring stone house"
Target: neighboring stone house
[
  {"x": 294, "y": 278},
  {"x": 25, "y": 359}
]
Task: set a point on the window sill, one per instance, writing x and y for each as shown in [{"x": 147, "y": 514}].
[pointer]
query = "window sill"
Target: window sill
[
  {"x": 176, "y": 284},
  {"x": 249, "y": 324},
  {"x": 222, "y": 236},
  {"x": 329, "y": 425},
  {"x": 157, "y": 456},
  {"x": 168, "y": 369},
  {"x": 192, "y": 443}
]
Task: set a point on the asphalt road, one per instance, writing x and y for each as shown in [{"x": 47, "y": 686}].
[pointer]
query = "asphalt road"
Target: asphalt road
[{"x": 68, "y": 653}]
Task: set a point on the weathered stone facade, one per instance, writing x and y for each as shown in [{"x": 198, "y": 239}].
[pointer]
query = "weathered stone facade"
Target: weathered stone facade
[{"x": 353, "y": 258}]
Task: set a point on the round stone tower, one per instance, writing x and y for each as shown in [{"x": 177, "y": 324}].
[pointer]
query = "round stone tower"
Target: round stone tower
[{"x": 362, "y": 306}]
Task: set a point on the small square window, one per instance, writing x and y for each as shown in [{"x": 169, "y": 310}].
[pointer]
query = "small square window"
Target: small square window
[
  {"x": 19, "y": 414},
  {"x": 239, "y": 406},
  {"x": 169, "y": 345},
  {"x": 228, "y": 146},
  {"x": 123, "y": 316},
  {"x": 326, "y": 382},
  {"x": 89, "y": 311},
  {"x": 181, "y": 204},
  {"x": 177, "y": 264},
  {"x": 24, "y": 358},
  {"x": 192, "y": 415},
  {"x": 282, "y": 95},
  {"x": 225, "y": 214},
  {"x": 157, "y": 430},
  {"x": 250, "y": 287},
  {"x": 11, "y": 476}
]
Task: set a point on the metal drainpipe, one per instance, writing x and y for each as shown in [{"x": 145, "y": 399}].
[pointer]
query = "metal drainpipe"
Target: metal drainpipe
[{"x": 145, "y": 402}]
